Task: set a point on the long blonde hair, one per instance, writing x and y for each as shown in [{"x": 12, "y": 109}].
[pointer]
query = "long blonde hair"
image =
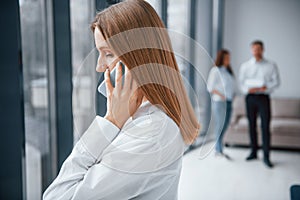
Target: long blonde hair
[{"x": 134, "y": 31}]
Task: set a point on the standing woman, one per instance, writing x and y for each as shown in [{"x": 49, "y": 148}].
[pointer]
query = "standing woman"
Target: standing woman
[
  {"x": 221, "y": 85},
  {"x": 135, "y": 150}
]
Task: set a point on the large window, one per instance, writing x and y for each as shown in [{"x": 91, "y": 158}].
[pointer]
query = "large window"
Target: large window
[
  {"x": 192, "y": 58},
  {"x": 156, "y": 4},
  {"x": 34, "y": 53},
  {"x": 178, "y": 27},
  {"x": 84, "y": 57}
]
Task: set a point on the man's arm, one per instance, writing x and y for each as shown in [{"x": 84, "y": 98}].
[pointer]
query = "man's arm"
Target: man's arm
[{"x": 274, "y": 82}]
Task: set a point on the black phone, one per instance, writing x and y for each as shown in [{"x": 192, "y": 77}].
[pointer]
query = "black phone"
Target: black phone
[{"x": 102, "y": 86}]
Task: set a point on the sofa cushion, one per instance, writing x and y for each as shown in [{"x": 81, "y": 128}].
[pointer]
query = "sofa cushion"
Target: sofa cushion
[
  {"x": 238, "y": 107},
  {"x": 279, "y": 126},
  {"x": 285, "y": 108},
  {"x": 287, "y": 126},
  {"x": 240, "y": 125}
]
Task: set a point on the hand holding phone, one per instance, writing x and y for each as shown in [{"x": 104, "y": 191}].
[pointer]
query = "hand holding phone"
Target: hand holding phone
[
  {"x": 102, "y": 86},
  {"x": 123, "y": 99}
]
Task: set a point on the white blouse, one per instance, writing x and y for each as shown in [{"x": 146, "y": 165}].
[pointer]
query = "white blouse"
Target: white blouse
[
  {"x": 221, "y": 80},
  {"x": 140, "y": 161}
]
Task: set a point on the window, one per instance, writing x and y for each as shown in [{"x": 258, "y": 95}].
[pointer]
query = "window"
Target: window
[
  {"x": 34, "y": 53},
  {"x": 178, "y": 29},
  {"x": 155, "y": 4},
  {"x": 84, "y": 57},
  {"x": 190, "y": 56}
]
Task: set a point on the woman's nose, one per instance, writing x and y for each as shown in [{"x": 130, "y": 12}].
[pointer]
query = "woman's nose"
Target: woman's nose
[{"x": 101, "y": 65}]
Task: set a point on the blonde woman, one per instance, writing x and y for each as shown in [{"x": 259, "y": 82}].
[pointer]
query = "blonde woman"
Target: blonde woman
[{"x": 135, "y": 151}]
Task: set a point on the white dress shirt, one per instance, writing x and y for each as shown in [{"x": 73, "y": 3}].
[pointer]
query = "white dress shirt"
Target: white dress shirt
[
  {"x": 140, "y": 161},
  {"x": 257, "y": 74},
  {"x": 221, "y": 80}
]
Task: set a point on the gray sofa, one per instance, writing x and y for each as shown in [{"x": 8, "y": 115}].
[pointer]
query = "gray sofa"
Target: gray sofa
[{"x": 285, "y": 124}]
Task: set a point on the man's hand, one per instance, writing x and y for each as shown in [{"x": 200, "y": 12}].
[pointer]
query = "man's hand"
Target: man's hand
[{"x": 258, "y": 89}]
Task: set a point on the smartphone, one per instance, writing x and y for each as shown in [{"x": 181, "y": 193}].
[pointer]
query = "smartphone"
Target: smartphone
[{"x": 102, "y": 86}]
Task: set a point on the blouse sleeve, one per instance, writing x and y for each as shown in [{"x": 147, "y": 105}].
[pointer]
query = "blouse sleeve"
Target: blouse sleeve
[
  {"x": 89, "y": 172},
  {"x": 77, "y": 176},
  {"x": 211, "y": 81}
]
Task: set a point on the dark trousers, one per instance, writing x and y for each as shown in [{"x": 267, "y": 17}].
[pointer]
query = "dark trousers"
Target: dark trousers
[{"x": 259, "y": 103}]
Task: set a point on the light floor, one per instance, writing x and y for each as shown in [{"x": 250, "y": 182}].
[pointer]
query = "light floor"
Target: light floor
[{"x": 207, "y": 177}]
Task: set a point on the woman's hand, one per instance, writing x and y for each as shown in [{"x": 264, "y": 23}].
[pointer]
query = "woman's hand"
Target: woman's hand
[
  {"x": 123, "y": 100},
  {"x": 220, "y": 94}
]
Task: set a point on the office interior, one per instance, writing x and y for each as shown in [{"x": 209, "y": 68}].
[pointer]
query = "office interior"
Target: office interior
[{"x": 49, "y": 90}]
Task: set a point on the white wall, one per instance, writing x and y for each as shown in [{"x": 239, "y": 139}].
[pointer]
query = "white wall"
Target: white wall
[{"x": 277, "y": 24}]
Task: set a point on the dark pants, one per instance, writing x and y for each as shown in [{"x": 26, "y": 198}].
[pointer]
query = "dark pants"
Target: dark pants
[{"x": 259, "y": 103}]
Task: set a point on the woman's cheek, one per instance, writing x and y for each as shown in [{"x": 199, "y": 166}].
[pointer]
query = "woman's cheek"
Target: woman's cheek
[{"x": 113, "y": 61}]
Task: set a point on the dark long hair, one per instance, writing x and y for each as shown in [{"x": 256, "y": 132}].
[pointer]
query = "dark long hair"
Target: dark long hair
[{"x": 220, "y": 60}]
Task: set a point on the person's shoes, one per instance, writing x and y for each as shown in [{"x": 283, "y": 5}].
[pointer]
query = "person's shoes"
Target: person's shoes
[
  {"x": 252, "y": 156},
  {"x": 222, "y": 155},
  {"x": 226, "y": 156},
  {"x": 268, "y": 163},
  {"x": 218, "y": 154}
]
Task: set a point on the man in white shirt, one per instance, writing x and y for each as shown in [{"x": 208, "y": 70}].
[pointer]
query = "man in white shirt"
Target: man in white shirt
[{"x": 258, "y": 77}]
